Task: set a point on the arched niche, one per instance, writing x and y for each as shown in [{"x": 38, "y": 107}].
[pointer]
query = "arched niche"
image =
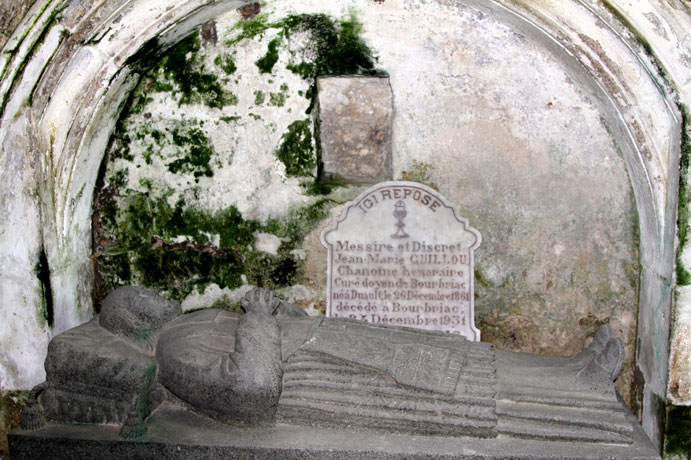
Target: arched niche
[{"x": 65, "y": 82}]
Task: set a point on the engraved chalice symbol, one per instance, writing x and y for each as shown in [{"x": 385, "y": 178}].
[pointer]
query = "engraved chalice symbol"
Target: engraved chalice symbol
[{"x": 399, "y": 213}]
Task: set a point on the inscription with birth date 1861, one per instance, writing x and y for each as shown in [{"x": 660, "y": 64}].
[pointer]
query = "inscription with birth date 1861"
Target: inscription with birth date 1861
[{"x": 401, "y": 255}]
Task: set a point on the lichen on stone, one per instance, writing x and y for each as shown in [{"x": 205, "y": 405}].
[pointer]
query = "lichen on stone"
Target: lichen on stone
[
  {"x": 421, "y": 172},
  {"x": 683, "y": 273},
  {"x": 226, "y": 63}
]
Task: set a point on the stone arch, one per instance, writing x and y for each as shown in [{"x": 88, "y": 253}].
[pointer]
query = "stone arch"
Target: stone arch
[{"x": 81, "y": 65}]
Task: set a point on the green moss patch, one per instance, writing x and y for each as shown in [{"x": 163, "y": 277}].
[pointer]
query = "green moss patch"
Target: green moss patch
[
  {"x": 301, "y": 222},
  {"x": 296, "y": 151},
  {"x": 277, "y": 99},
  {"x": 338, "y": 47},
  {"x": 250, "y": 28},
  {"x": 226, "y": 63},
  {"x": 283, "y": 269},
  {"x": 11, "y": 405},
  {"x": 335, "y": 47},
  {"x": 266, "y": 63},
  {"x": 196, "y": 156},
  {"x": 144, "y": 245},
  {"x": 678, "y": 432},
  {"x": 183, "y": 146},
  {"x": 181, "y": 71},
  {"x": 170, "y": 248}
]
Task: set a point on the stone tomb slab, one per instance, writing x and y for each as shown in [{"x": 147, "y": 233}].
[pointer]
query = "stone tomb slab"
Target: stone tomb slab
[
  {"x": 401, "y": 255},
  {"x": 355, "y": 117},
  {"x": 183, "y": 435}
]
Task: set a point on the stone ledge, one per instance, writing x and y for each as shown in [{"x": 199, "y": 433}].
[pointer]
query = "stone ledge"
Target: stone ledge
[{"x": 197, "y": 438}]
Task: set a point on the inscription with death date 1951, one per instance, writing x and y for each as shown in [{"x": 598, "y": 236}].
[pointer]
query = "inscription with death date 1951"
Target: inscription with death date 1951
[{"x": 400, "y": 255}]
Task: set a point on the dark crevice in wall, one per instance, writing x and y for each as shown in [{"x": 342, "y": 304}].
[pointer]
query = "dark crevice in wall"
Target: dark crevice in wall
[
  {"x": 98, "y": 291},
  {"x": 659, "y": 408},
  {"x": 683, "y": 275},
  {"x": 637, "y": 391},
  {"x": 149, "y": 53},
  {"x": 43, "y": 275}
]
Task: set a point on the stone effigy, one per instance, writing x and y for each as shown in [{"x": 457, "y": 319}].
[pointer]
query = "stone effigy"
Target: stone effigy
[{"x": 142, "y": 366}]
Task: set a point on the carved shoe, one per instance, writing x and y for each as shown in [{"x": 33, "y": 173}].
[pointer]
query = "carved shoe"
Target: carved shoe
[
  {"x": 602, "y": 336},
  {"x": 605, "y": 366}
]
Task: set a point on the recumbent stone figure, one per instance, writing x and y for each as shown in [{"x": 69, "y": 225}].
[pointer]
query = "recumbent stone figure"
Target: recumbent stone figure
[{"x": 274, "y": 364}]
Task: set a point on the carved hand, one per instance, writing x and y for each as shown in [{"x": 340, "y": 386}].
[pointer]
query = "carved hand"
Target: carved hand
[{"x": 260, "y": 301}]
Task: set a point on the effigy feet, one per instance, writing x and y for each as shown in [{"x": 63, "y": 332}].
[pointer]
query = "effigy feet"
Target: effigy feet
[
  {"x": 602, "y": 336},
  {"x": 601, "y": 361},
  {"x": 33, "y": 416}
]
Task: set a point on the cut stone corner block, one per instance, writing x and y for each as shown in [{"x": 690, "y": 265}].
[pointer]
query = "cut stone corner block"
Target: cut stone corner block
[{"x": 354, "y": 119}]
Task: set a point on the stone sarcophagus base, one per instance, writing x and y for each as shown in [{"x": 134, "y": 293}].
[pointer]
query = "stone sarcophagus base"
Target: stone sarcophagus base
[
  {"x": 143, "y": 381},
  {"x": 183, "y": 435}
]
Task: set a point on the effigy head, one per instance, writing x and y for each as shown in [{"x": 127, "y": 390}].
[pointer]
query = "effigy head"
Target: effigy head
[{"x": 136, "y": 312}]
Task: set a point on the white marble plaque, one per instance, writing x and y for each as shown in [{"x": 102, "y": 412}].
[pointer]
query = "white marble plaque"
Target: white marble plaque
[{"x": 401, "y": 255}]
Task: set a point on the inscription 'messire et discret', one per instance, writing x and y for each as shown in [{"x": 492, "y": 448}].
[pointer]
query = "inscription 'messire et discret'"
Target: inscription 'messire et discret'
[{"x": 400, "y": 255}]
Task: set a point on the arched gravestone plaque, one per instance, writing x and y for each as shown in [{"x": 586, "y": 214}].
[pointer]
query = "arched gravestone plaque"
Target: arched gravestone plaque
[{"x": 401, "y": 255}]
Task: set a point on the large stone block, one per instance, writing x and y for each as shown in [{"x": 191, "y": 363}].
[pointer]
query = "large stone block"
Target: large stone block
[{"x": 354, "y": 121}]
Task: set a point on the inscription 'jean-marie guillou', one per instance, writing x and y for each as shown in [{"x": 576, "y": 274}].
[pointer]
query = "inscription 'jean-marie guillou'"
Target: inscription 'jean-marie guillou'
[{"x": 401, "y": 255}]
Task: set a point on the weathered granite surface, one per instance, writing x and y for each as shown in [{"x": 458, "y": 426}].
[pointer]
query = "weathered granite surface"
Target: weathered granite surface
[
  {"x": 355, "y": 122},
  {"x": 270, "y": 382}
]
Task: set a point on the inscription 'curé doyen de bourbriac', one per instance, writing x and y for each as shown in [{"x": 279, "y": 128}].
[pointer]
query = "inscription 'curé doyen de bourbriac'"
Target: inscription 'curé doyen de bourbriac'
[{"x": 401, "y": 255}]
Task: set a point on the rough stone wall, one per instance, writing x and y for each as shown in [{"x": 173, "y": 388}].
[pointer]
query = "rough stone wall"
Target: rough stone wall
[{"x": 570, "y": 97}]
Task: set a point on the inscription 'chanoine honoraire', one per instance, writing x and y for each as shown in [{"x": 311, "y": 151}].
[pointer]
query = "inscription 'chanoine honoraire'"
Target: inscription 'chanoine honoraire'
[{"x": 400, "y": 255}]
